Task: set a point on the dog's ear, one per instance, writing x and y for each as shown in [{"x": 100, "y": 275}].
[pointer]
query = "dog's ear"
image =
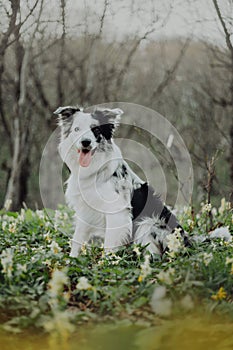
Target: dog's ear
[
  {"x": 66, "y": 112},
  {"x": 113, "y": 115},
  {"x": 108, "y": 119}
]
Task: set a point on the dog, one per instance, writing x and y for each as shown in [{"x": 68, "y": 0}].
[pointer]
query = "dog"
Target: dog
[{"x": 109, "y": 199}]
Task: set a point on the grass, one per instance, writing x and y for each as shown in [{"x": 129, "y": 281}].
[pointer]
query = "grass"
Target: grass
[{"x": 43, "y": 288}]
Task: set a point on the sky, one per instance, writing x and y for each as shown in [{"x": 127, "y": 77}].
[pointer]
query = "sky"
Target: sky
[
  {"x": 174, "y": 18},
  {"x": 128, "y": 18}
]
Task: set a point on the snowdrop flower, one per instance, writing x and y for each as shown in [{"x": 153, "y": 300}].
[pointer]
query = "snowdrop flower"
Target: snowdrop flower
[
  {"x": 145, "y": 269},
  {"x": 55, "y": 248},
  {"x": 223, "y": 233},
  {"x": 83, "y": 284},
  {"x": 7, "y": 261},
  {"x": 161, "y": 305},
  {"x": 207, "y": 257}
]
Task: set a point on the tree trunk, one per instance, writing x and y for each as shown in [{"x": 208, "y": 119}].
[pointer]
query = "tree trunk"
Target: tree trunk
[
  {"x": 231, "y": 163},
  {"x": 14, "y": 183},
  {"x": 16, "y": 192}
]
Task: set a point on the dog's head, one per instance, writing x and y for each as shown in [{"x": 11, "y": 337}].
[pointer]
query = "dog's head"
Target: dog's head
[{"x": 87, "y": 132}]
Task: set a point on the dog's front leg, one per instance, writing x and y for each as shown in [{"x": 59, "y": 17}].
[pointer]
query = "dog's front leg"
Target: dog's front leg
[
  {"x": 81, "y": 236},
  {"x": 118, "y": 230}
]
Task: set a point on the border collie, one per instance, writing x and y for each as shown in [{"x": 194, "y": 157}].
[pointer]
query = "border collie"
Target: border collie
[{"x": 109, "y": 199}]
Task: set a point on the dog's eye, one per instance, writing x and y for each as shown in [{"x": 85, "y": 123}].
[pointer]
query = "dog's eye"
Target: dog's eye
[
  {"x": 76, "y": 129},
  {"x": 97, "y": 133}
]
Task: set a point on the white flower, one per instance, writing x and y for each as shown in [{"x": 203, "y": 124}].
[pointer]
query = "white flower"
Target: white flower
[
  {"x": 190, "y": 223},
  {"x": 224, "y": 206},
  {"x": 223, "y": 233},
  {"x": 116, "y": 260},
  {"x": 207, "y": 257},
  {"x": 187, "y": 211},
  {"x": 57, "y": 215},
  {"x": 214, "y": 211},
  {"x": 12, "y": 227},
  {"x": 4, "y": 225},
  {"x": 40, "y": 214},
  {"x": 174, "y": 242},
  {"x": 84, "y": 249},
  {"x": 165, "y": 276},
  {"x": 145, "y": 268},
  {"x": 55, "y": 247},
  {"x": 136, "y": 250},
  {"x": 47, "y": 262},
  {"x": 22, "y": 268},
  {"x": 7, "y": 261},
  {"x": 187, "y": 302},
  {"x": 206, "y": 208},
  {"x": 21, "y": 216},
  {"x": 229, "y": 260},
  {"x": 59, "y": 278},
  {"x": 83, "y": 284},
  {"x": 160, "y": 305},
  {"x": 47, "y": 236}
]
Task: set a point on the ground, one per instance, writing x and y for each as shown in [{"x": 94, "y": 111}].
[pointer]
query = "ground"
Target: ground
[{"x": 124, "y": 294}]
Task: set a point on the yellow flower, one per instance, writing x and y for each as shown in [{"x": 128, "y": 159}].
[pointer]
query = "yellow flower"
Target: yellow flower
[
  {"x": 140, "y": 278},
  {"x": 221, "y": 294}
]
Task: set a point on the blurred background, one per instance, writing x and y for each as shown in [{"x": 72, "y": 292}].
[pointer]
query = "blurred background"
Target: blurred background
[{"x": 173, "y": 56}]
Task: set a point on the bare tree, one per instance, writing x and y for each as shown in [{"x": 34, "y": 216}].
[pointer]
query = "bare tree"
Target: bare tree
[
  {"x": 222, "y": 100},
  {"x": 20, "y": 119}
]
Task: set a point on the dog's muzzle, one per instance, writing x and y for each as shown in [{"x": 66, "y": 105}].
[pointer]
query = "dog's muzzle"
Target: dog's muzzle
[{"x": 85, "y": 153}]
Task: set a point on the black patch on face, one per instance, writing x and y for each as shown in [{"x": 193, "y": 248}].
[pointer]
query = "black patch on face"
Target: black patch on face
[
  {"x": 107, "y": 131},
  {"x": 105, "y": 126},
  {"x": 66, "y": 112},
  {"x": 97, "y": 133}
]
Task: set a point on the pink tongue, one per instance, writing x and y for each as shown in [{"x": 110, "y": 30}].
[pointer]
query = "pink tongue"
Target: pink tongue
[{"x": 85, "y": 159}]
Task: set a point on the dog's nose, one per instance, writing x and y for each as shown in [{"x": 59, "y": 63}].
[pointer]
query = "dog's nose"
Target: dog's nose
[{"x": 86, "y": 142}]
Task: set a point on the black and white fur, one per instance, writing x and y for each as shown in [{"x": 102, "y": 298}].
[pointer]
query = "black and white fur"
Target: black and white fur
[{"x": 109, "y": 199}]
